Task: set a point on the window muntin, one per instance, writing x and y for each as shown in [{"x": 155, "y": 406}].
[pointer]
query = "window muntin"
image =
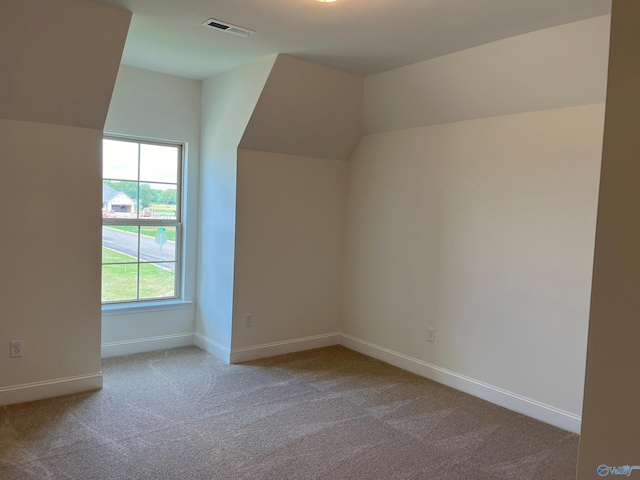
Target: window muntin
[{"x": 141, "y": 220}]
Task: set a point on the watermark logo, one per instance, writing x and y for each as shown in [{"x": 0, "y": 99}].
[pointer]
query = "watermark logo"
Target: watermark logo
[{"x": 604, "y": 470}]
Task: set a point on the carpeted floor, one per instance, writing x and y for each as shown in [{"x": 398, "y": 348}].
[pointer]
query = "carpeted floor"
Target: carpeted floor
[{"x": 324, "y": 414}]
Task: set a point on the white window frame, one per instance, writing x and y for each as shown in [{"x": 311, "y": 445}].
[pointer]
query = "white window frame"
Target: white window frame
[{"x": 178, "y": 223}]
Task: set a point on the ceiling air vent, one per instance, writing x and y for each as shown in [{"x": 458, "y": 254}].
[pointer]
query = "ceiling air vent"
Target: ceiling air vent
[{"x": 228, "y": 27}]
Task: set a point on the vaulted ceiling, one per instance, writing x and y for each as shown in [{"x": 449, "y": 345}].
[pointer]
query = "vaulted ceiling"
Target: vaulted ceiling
[{"x": 357, "y": 36}]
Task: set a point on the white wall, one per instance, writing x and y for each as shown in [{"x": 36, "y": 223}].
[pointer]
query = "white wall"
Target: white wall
[
  {"x": 158, "y": 106},
  {"x": 482, "y": 229},
  {"x": 227, "y": 103},
  {"x": 50, "y": 289},
  {"x": 289, "y": 240},
  {"x": 291, "y": 193},
  {"x": 57, "y": 79}
]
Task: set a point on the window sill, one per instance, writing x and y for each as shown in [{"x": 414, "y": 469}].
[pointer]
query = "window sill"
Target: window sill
[{"x": 144, "y": 307}]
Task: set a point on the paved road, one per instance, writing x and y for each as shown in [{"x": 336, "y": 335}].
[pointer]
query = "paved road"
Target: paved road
[{"x": 127, "y": 243}]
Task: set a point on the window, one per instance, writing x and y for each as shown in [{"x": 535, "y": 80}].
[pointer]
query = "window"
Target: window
[{"x": 141, "y": 220}]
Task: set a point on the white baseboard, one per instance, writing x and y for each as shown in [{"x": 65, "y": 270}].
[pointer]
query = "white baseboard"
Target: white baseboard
[
  {"x": 239, "y": 355},
  {"x": 29, "y": 392},
  {"x": 512, "y": 401},
  {"x": 214, "y": 348},
  {"x": 140, "y": 345}
]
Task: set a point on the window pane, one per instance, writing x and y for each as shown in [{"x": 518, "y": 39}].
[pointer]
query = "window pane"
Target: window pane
[
  {"x": 119, "y": 199},
  {"x": 121, "y": 242},
  {"x": 157, "y": 280},
  {"x": 157, "y": 244},
  {"x": 119, "y": 160},
  {"x": 119, "y": 282},
  {"x": 158, "y": 200},
  {"x": 113, "y": 256},
  {"x": 159, "y": 163},
  {"x": 140, "y": 187}
]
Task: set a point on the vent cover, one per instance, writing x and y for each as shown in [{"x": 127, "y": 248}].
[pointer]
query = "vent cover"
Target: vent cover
[{"x": 228, "y": 27}]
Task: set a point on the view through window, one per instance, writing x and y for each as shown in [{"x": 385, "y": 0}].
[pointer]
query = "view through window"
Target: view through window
[{"x": 141, "y": 220}]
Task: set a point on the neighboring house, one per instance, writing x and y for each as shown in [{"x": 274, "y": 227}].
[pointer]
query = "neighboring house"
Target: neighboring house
[{"x": 116, "y": 201}]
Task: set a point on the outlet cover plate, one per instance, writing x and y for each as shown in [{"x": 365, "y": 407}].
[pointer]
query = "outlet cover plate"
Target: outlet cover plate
[
  {"x": 16, "y": 349},
  {"x": 431, "y": 334}
]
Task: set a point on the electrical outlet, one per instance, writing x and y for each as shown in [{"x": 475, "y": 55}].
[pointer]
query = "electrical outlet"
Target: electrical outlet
[
  {"x": 248, "y": 320},
  {"x": 431, "y": 334},
  {"x": 16, "y": 349}
]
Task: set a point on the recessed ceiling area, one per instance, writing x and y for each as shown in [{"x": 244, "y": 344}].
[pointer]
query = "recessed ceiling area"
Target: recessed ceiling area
[{"x": 362, "y": 37}]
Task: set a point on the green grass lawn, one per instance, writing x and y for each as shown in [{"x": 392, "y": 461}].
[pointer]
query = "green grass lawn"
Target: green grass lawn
[
  {"x": 147, "y": 231},
  {"x": 120, "y": 282},
  {"x": 111, "y": 256},
  {"x": 161, "y": 209}
]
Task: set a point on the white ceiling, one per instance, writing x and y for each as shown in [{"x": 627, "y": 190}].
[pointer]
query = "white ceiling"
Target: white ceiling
[{"x": 358, "y": 36}]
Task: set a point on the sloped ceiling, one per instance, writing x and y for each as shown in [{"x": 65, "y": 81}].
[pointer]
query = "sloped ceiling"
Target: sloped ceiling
[
  {"x": 362, "y": 37},
  {"x": 561, "y": 67},
  {"x": 59, "y": 60},
  {"x": 308, "y": 110}
]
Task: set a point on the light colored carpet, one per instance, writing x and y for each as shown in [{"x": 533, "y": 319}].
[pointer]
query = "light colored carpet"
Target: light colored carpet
[{"x": 329, "y": 413}]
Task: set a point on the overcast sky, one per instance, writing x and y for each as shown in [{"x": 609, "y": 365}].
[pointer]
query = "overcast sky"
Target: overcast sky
[{"x": 158, "y": 163}]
